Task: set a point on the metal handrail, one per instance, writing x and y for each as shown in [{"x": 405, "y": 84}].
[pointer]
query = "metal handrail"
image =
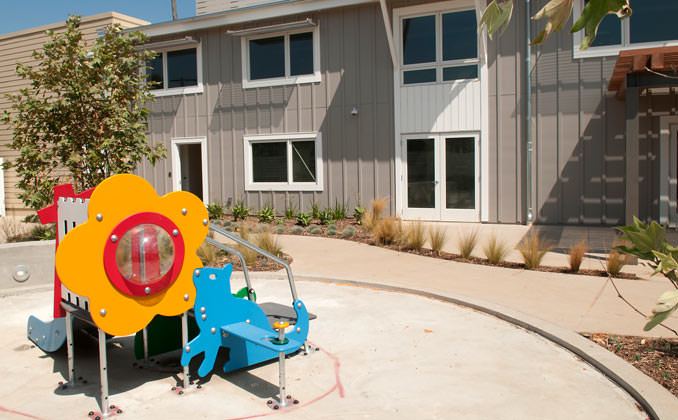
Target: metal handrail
[
  {"x": 250, "y": 291},
  {"x": 246, "y": 244}
]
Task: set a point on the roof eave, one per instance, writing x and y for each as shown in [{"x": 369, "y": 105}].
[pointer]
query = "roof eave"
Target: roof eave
[{"x": 248, "y": 14}]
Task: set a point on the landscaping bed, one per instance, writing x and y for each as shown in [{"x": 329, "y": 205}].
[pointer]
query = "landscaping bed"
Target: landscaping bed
[
  {"x": 655, "y": 357},
  {"x": 348, "y": 229}
]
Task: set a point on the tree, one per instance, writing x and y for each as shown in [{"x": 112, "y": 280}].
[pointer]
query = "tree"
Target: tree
[
  {"x": 497, "y": 16},
  {"x": 83, "y": 117}
]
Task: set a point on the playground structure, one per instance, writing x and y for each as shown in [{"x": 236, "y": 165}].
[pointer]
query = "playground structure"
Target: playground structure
[{"x": 125, "y": 255}]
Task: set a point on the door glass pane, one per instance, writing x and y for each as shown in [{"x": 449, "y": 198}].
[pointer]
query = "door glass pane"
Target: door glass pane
[
  {"x": 654, "y": 20},
  {"x": 460, "y": 36},
  {"x": 154, "y": 72},
  {"x": 267, "y": 58},
  {"x": 421, "y": 173},
  {"x": 182, "y": 68},
  {"x": 419, "y": 76},
  {"x": 419, "y": 40},
  {"x": 269, "y": 162},
  {"x": 303, "y": 161},
  {"x": 460, "y": 173},
  {"x": 301, "y": 53}
]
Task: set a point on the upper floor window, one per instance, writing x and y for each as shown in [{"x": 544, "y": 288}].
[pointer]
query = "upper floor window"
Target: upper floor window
[
  {"x": 176, "y": 71},
  {"x": 283, "y": 58},
  {"x": 650, "y": 25},
  {"x": 439, "y": 47}
]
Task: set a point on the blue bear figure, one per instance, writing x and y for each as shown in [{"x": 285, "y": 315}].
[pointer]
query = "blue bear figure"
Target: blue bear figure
[{"x": 215, "y": 307}]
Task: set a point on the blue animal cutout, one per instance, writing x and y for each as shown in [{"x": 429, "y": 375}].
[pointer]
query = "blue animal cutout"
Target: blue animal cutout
[{"x": 236, "y": 323}]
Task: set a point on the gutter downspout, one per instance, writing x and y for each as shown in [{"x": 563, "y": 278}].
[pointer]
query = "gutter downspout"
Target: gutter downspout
[
  {"x": 528, "y": 116},
  {"x": 389, "y": 34}
]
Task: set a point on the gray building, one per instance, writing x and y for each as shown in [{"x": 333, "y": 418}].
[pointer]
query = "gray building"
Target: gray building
[{"x": 328, "y": 101}]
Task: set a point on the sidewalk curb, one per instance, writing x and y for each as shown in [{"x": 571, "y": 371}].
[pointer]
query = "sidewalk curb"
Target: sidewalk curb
[{"x": 657, "y": 402}]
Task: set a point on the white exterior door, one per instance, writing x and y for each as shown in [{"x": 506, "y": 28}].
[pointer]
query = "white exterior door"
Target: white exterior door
[
  {"x": 440, "y": 112},
  {"x": 441, "y": 179},
  {"x": 189, "y": 166}
]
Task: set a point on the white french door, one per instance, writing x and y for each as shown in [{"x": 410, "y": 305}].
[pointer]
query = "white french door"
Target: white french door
[{"x": 441, "y": 177}]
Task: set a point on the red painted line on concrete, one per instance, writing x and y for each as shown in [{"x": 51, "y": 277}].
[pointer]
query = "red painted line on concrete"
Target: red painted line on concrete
[
  {"x": 337, "y": 387},
  {"x": 18, "y": 413}
]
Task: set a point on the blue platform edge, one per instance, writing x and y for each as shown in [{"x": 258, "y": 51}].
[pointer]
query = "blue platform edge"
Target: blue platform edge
[
  {"x": 48, "y": 336},
  {"x": 219, "y": 315}
]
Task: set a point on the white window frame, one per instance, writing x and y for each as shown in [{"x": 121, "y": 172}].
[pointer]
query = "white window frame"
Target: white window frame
[
  {"x": 439, "y": 64},
  {"x": 611, "y": 50},
  {"x": 185, "y": 90},
  {"x": 250, "y": 185},
  {"x": 287, "y": 79}
]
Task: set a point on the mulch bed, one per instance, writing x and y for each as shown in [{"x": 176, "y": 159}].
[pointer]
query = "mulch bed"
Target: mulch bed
[
  {"x": 362, "y": 235},
  {"x": 655, "y": 357}
]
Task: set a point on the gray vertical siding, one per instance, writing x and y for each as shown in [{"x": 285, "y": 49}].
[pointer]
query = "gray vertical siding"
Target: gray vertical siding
[
  {"x": 506, "y": 63},
  {"x": 578, "y": 127},
  {"x": 358, "y": 151},
  {"x": 578, "y": 131}
]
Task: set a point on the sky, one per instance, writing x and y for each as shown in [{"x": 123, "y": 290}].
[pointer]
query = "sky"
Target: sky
[{"x": 17, "y": 15}]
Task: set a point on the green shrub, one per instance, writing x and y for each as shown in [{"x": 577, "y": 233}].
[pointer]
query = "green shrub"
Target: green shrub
[
  {"x": 315, "y": 230},
  {"x": 267, "y": 214},
  {"x": 315, "y": 210},
  {"x": 358, "y": 213},
  {"x": 303, "y": 219},
  {"x": 239, "y": 211},
  {"x": 348, "y": 232},
  {"x": 215, "y": 211},
  {"x": 297, "y": 230},
  {"x": 279, "y": 230},
  {"x": 332, "y": 230},
  {"x": 339, "y": 211},
  {"x": 43, "y": 233},
  {"x": 290, "y": 211},
  {"x": 325, "y": 216}
]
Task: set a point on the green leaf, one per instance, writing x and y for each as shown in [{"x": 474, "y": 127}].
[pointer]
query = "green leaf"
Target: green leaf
[
  {"x": 496, "y": 16},
  {"x": 556, "y": 13},
  {"x": 666, "y": 305},
  {"x": 593, "y": 14}
]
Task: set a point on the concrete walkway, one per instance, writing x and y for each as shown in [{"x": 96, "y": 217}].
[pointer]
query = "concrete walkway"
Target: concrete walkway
[{"x": 576, "y": 302}]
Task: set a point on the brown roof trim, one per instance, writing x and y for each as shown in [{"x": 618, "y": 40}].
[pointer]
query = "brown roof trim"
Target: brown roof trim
[{"x": 636, "y": 61}]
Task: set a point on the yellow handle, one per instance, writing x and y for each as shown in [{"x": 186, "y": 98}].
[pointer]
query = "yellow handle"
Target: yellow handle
[{"x": 281, "y": 324}]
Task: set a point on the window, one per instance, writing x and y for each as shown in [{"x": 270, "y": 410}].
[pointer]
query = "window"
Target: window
[
  {"x": 176, "y": 71},
  {"x": 650, "y": 25},
  {"x": 281, "y": 58},
  {"x": 440, "y": 47},
  {"x": 283, "y": 162}
]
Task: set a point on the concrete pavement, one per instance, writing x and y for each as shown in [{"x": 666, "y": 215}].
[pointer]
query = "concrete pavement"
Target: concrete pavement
[
  {"x": 402, "y": 355},
  {"x": 383, "y": 355}
]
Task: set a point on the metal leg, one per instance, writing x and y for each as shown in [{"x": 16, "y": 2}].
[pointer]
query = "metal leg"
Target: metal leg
[
  {"x": 281, "y": 377},
  {"x": 103, "y": 373},
  {"x": 184, "y": 341},
  {"x": 69, "y": 347},
  {"x": 144, "y": 334}
]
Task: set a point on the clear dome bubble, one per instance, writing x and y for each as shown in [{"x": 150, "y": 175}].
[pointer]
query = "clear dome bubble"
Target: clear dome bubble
[{"x": 145, "y": 254}]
